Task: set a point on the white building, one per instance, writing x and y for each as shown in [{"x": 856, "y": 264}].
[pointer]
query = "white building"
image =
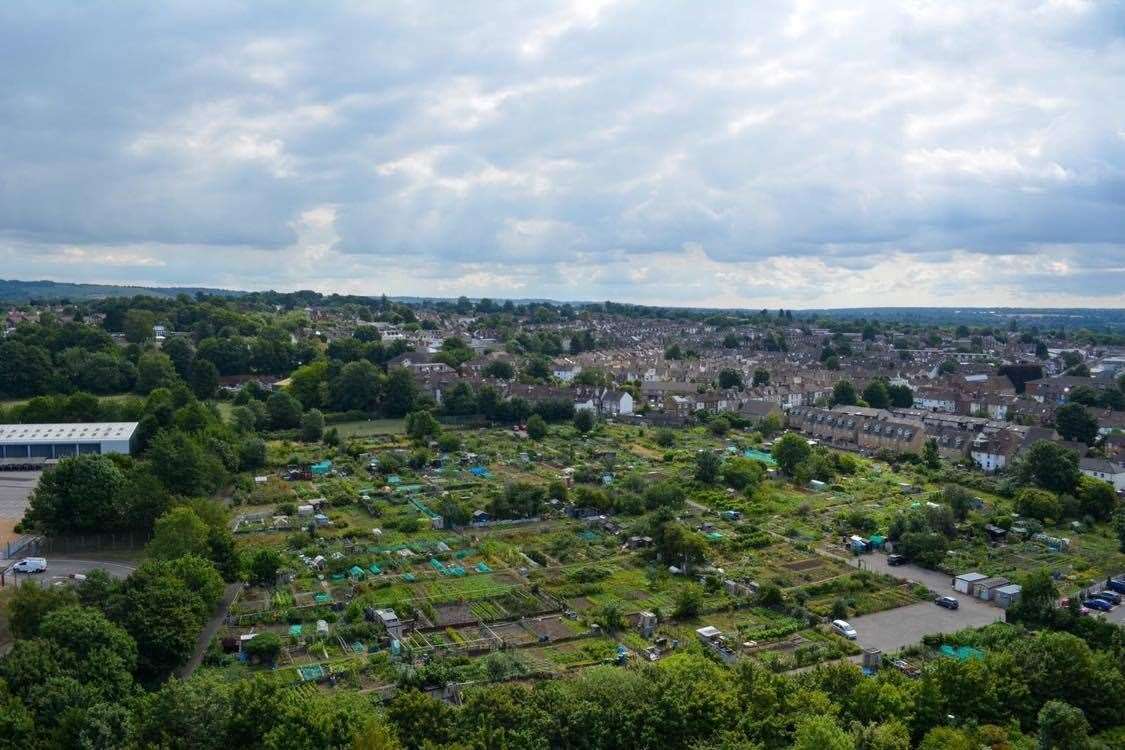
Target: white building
[
  {"x": 1105, "y": 470},
  {"x": 50, "y": 441}
]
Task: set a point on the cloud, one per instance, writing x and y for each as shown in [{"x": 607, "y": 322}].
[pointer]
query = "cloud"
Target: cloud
[{"x": 748, "y": 154}]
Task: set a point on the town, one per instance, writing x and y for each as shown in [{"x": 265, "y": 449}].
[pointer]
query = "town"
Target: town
[{"x": 433, "y": 506}]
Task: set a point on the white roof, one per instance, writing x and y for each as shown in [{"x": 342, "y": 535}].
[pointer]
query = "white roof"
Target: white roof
[
  {"x": 65, "y": 433},
  {"x": 971, "y": 577},
  {"x": 710, "y": 631}
]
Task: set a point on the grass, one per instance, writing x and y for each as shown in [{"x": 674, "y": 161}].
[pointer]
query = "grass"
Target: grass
[{"x": 369, "y": 428}]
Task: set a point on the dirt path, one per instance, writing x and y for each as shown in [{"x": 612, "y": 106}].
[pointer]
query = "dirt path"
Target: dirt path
[{"x": 209, "y": 631}]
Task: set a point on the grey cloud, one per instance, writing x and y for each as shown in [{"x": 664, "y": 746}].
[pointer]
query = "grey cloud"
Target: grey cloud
[{"x": 448, "y": 137}]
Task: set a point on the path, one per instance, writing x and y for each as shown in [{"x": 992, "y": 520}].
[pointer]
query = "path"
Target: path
[{"x": 209, "y": 631}]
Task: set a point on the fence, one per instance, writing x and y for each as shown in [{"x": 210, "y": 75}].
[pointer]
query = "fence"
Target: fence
[{"x": 65, "y": 545}]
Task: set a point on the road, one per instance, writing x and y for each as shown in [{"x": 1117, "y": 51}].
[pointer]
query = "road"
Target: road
[
  {"x": 894, "y": 629},
  {"x": 62, "y": 568}
]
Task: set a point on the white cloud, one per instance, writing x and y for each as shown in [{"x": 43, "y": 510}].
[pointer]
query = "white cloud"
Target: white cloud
[{"x": 836, "y": 152}]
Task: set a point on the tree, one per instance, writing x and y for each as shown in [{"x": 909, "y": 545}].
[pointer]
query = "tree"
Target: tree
[
  {"x": 401, "y": 393},
  {"x": 284, "y": 410},
  {"x": 843, "y": 393},
  {"x": 536, "y": 427},
  {"x": 31, "y": 603},
  {"x": 312, "y": 426},
  {"x": 742, "y": 473},
  {"x": 761, "y": 377},
  {"x": 610, "y": 618},
  {"x": 204, "y": 379},
  {"x": 821, "y": 733},
  {"x": 155, "y": 370},
  {"x": 499, "y": 369},
  {"x": 719, "y": 426},
  {"x": 162, "y": 615},
  {"x": 263, "y": 647},
  {"x": 876, "y": 395},
  {"x": 930, "y": 455},
  {"x": 707, "y": 466},
  {"x": 1050, "y": 466},
  {"x": 264, "y": 566},
  {"x": 356, "y": 388},
  {"x": 88, "y": 634},
  {"x": 901, "y": 396},
  {"x": 309, "y": 384},
  {"x": 180, "y": 464},
  {"x": 421, "y": 425},
  {"x": 1073, "y": 422},
  {"x": 138, "y": 325},
  {"x": 182, "y": 354},
  {"x": 80, "y": 494},
  {"x": 177, "y": 533},
  {"x": 583, "y": 420},
  {"x": 730, "y": 379},
  {"x": 1098, "y": 498},
  {"x": 1119, "y": 528},
  {"x": 1062, "y": 727},
  {"x": 789, "y": 451},
  {"x": 688, "y": 602},
  {"x": 1039, "y": 504}
]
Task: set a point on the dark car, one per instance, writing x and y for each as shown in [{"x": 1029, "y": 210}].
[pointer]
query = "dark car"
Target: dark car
[
  {"x": 947, "y": 601},
  {"x": 896, "y": 560},
  {"x": 1117, "y": 584},
  {"x": 1099, "y": 604},
  {"x": 1109, "y": 596}
]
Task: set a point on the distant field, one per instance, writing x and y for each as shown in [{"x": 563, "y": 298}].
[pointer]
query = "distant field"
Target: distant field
[
  {"x": 364, "y": 427},
  {"x": 115, "y": 397}
]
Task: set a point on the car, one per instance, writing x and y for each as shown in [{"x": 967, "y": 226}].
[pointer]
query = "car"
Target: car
[
  {"x": 947, "y": 601},
  {"x": 1109, "y": 596},
  {"x": 896, "y": 560},
  {"x": 1116, "y": 584},
  {"x": 843, "y": 628},
  {"x": 30, "y": 565},
  {"x": 1099, "y": 604}
]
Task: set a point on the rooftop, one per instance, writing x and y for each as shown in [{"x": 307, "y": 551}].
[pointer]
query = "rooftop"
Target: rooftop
[{"x": 54, "y": 433}]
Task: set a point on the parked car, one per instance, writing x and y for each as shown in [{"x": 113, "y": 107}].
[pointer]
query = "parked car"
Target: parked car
[
  {"x": 1117, "y": 584},
  {"x": 947, "y": 601},
  {"x": 897, "y": 560},
  {"x": 1109, "y": 596},
  {"x": 1099, "y": 604},
  {"x": 843, "y": 628},
  {"x": 30, "y": 565}
]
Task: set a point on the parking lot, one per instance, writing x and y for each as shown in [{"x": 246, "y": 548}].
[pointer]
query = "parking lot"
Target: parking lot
[
  {"x": 15, "y": 489},
  {"x": 896, "y": 628}
]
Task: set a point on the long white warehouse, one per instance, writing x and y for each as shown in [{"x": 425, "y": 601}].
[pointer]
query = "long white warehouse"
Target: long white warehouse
[{"x": 49, "y": 441}]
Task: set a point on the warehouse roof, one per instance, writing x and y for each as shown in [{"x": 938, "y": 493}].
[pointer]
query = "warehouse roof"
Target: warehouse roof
[{"x": 63, "y": 433}]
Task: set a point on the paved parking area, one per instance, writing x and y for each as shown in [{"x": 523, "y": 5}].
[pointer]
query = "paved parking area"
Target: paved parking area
[
  {"x": 63, "y": 568},
  {"x": 896, "y": 628},
  {"x": 15, "y": 489}
]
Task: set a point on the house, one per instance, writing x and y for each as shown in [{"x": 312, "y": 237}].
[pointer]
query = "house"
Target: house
[
  {"x": 1105, "y": 470},
  {"x": 565, "y": 369},
  {"x": 993, "y": 451},
  {"x": 615, "y": 403}
]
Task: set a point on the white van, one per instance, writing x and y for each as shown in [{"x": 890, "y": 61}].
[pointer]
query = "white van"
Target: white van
[
  {"x": 30, "y": 565},
  {"x": 844, "y": 629}
]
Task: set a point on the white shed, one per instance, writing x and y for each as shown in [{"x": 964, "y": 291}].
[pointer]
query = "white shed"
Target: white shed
[{"x": 964, "y": 582}]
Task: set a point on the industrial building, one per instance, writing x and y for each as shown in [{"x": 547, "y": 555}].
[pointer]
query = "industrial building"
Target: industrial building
[{"x": 51, "y": 441}]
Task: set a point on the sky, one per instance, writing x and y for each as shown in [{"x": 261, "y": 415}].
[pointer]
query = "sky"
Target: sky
[{"x": 720, "y": 154}]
